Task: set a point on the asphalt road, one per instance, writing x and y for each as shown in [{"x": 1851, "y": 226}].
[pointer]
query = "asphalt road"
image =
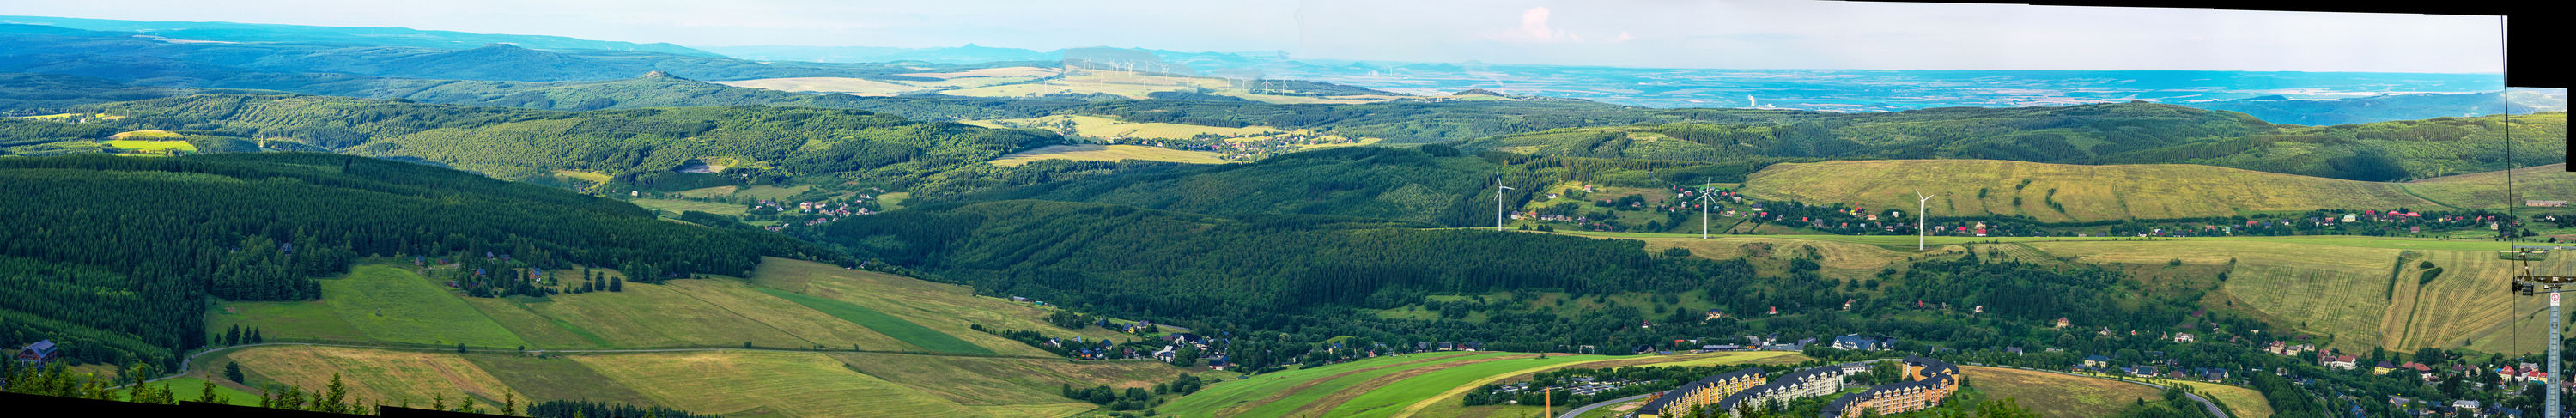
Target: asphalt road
[{"x": 1588, "y": 408}]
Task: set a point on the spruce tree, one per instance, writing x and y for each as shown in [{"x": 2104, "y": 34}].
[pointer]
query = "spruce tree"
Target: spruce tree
[
  {"x": 334, "y": 396},
  {"x": 208, "y": 394},
  {"x": 233, "y": 371}
]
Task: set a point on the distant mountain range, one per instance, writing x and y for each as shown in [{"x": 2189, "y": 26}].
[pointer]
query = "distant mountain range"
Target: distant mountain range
[
  {"x": 376, "y": 36},
  {"x": 420, "y": 64}
]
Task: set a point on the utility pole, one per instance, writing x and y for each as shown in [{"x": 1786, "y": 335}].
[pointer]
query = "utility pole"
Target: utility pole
[{"x": 2527, "y": 285}]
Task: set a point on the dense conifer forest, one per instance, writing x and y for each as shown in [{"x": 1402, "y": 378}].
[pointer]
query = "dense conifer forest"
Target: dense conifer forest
[{"x": 116, "y": 256}]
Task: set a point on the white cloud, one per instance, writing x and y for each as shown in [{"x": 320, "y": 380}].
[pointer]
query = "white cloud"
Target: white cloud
[{"x": 1534, "y": 28}]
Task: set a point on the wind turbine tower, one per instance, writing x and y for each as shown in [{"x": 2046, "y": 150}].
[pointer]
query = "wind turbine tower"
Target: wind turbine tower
[
  {"x": 1498, "y": 202},
  {"x": 1921, "y": 203},
  {"x": 1705, "y": 200}
]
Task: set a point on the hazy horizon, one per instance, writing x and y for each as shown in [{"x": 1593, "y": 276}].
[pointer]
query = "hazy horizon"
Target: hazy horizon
[{"x": 1762, "y": 34}]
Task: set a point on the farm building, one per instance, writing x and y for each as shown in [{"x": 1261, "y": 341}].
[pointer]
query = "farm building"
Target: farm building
[{"x": 40, "y": 352}]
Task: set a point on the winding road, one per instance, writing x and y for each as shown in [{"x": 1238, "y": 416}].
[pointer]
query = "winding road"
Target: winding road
[
  {"x": 1588, "y": 408},
  {"x": 189, "y": 363}
]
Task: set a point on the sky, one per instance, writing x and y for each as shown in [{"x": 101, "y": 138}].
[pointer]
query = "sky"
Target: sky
[{"x": 1624, "y": 33}]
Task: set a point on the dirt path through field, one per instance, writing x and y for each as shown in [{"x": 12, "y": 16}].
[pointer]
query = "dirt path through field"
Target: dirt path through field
[{"x": 1238, "y": 409}]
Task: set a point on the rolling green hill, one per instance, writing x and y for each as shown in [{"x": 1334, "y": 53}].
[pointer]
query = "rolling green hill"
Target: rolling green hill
[
  {"x": 2126, "y": 133},
  {"x": 152, "y": 238},
  {"x": 1401, "y": 184},
  {"x": 125, "y": 57},
  {"x": 883, "y": 343},
  {"x": 639, "y": 146},
  {"x": 253, "y": 32},
  {"x": 1365, "y": 182},
  {"x": 2085, "y": 193},
  {"x": 2045, "y": 134}
]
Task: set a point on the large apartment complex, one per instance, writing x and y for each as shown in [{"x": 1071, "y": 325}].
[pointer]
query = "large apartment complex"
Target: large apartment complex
[{"x": 1927, "y": 382}]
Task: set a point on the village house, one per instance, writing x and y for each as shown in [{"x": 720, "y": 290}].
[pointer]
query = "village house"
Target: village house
[
  {"x": 38, "y": 353},
  {"x": 2097, "y": 362},
  {"x": 1857, "y": 342},
  {"x": 2346, "y": 362}
]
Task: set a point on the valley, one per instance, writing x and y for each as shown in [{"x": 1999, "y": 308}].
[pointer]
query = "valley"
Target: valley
[{"x": 337, "y": 219}]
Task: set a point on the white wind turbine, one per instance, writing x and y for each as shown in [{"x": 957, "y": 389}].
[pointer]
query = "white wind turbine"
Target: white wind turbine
[
  {"x": 1921, "y": 203},
  {"x": 1706, "y": 199},
  {"x": 1498, "y": 202}
]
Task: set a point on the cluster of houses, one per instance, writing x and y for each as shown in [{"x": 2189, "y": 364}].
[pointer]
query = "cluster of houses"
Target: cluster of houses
[
  {"x": 2167, "y": 369},
  {"x": 1770, "y": 342},
  {"x": 2463, "y": 407},
  {"x": 1927, "y": 382},
  {"x": 826, "y": 211},
  {"x": 1578, "y": 385},
  {"x": 1236, "y": 147}
]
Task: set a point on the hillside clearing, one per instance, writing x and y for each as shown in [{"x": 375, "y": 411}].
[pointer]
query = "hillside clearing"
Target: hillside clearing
[
  {"x": 1094, "y": 152},
  {"x": 390, "y": 304},
  {"x": 2084, "y": 192},
  {"x": 378, "y": 376},
  {"x": 745, "y": 383},
  {"x": 2055, "y": 395},
  {"x": 946, "y": 308}
]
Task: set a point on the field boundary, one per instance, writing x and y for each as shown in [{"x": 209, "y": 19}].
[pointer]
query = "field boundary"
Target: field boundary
[
  {"x": 2195, "y": 396},
  {"x": 188, "y": 363}
]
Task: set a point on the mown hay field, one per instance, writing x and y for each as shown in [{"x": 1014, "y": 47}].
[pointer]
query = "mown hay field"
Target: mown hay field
[
  {"x": 1095, "y": 152},
  {"x": 2081, "y": 192}
]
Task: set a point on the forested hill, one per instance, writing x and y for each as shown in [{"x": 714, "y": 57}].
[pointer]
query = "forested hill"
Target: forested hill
[
  {"x": 118, "y": 255},
  {"x": 254, "y": 32},
  {"x": 1384, "y": 183},
  {"x": 1433, "y": 184},
  {"x": 2124, "y": 133},
  {"x": 2043, "y": 134},
  {"x": 124, "y": 56},
  {"x": 1172, "y": 264},
  {"x": 1292, "y": 282},
  {"x": 637, "y": 146}
]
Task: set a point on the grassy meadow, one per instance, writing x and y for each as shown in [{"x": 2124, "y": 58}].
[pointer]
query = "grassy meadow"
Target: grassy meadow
[
  {"x": 379, "y": 376},
  {"x": 728, "y": 382},
  {"x": 2055, "y": 395},
  {"x": 2080, "y": 192},
  {"x": 1095, "y": 152},
  {"x": 1420, "y": 384}
]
